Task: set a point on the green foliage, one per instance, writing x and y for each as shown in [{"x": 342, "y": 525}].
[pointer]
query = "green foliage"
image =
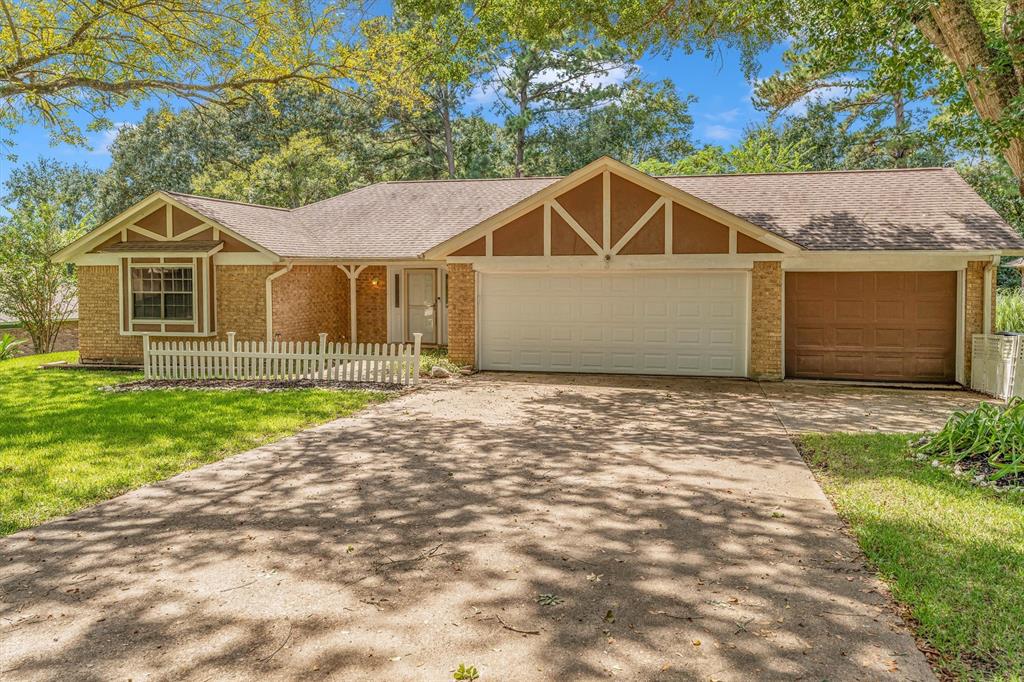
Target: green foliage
[
  {"x": 429, "y": 359},
  {"x": 951, "y": 552},
  {"x": 466, "y": 673},
  {"x": 69, "y": 188},
  {"x": 65, "y": 444},
  {"x": 762, "y": 150},
  {"x": 1010, "y": 310},
  {"x": 34, "y": 290},
  {"x": 8, "y": 344},
  {"x": 989, "y": 434},
  {"x": 303, "y": 171}
]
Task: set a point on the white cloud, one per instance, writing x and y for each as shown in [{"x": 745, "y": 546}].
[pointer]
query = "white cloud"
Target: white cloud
[
  {"x": 721, "y": 133},
  {"x": 486, "y": 92},
  {"x": 727, "y": 116},
  {"x": 101, "y": 143}
]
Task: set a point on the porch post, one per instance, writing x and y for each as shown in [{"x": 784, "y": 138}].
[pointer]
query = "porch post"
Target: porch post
[{"x": 353, "y": 274}]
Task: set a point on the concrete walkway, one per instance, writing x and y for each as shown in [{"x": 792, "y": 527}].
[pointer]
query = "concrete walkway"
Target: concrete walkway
[{"x": 675, "y": 527}]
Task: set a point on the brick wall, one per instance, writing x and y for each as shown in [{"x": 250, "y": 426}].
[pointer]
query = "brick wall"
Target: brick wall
[
  {"x": 372, "y": 305},
  {"x": 99, "y": 338},
  {"x": 67, "y": 338},
  {"x": 974, "y": 310},
  {"x": 241, "y": 308},
  {"x": 309, "y": 300},
  {"x": 462, "y": 313},
  {"x": 766, "y": 321}
]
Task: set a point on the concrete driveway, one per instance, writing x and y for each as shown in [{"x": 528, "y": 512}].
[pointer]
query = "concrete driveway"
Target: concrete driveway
[{"x": 671, "y": 521}]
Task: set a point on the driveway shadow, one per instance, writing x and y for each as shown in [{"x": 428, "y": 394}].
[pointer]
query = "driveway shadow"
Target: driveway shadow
[{"x": 675, "y": 527}]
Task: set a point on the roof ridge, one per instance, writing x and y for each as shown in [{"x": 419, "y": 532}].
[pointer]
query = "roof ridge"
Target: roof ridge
[
  {"x": 227, "y": 201},
  {"x": 343, "y": 194},
  {"x": 839, "y": 171},
  {"x": 438, "y": 180}
]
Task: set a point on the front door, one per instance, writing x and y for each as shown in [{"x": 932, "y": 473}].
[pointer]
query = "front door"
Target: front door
[{"x": 421, "y": 303}]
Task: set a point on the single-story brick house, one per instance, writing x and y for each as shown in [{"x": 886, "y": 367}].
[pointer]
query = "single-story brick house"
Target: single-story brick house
[{"x": 871, "y": 275}]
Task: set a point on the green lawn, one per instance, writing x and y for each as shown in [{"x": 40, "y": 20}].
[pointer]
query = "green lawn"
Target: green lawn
[
  {"x": 952, "y": 552},
  {"x": 65, "y": 445}
]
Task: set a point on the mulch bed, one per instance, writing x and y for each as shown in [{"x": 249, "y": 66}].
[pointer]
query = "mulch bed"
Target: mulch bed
[{"x": 249, "y": 385}]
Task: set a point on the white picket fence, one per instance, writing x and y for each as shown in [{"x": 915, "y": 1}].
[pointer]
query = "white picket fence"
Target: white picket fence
[
  {"x": 391, "y": 363},
  {"x": 997, "y": 365}
]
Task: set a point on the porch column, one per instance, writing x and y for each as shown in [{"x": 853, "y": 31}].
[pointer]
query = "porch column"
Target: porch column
[
  {"x": 353, "y": 274},
  {"x": 976, "y": 312},
  {"x": 462, "y": 314},
  {"x": 766, "y": 321}
]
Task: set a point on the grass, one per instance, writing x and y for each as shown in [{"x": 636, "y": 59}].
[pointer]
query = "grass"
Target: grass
[
  {"x": 65, "y": 445},
  {"x": 1010, "y": 310},
  {"x": 952, "y": 552}
]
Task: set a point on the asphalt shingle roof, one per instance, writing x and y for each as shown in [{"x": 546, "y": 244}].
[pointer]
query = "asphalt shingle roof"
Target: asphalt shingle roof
[
  {"x": 159, "y": 247},
  {"x": 912, "y": 209}
]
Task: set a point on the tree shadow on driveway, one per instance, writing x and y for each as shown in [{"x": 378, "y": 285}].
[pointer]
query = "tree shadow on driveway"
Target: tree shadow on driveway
[{"x": 672, "y": 520}]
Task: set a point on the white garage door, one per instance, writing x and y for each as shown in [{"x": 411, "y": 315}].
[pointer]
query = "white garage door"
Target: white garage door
[{"x": 628, "y": 323}]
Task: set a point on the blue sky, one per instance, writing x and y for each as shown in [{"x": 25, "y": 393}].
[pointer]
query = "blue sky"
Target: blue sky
[{"x": 722, "y": 110}]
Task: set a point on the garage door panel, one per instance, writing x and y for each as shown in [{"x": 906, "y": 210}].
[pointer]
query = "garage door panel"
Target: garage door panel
[
  {"x": 655, "y": 323},
  {"x": 890, "y": 326}
]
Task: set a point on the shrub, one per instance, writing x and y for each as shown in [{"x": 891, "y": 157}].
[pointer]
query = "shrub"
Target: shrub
[
  {"x": 436, "y": 357},
  {"x": 7, "y": 345},
  {"x": 988, "y": 440},
  {"x": 1010, "y": 310}
]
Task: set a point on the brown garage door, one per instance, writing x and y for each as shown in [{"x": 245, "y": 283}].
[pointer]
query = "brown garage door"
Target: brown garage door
[{"x": 878, "y": 326}]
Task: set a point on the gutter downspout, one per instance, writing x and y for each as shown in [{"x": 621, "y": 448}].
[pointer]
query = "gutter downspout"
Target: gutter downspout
[{"x": 270, "y": 300}]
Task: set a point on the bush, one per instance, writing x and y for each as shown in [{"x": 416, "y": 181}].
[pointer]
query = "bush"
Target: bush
[
  {"x": 7, "y": 345},
  {"x": 436, "y": 357},
  {"x": 988, "y": 441},
  {"x": 1010, "y": 310}
]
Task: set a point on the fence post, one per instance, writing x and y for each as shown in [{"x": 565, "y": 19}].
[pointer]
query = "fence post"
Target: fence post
[
  {"x": 145, "y": 357},
  {"x": 416, "y": 338},
  {"x": 231, "y": 355},
  {"x": 322, "y": 366}
]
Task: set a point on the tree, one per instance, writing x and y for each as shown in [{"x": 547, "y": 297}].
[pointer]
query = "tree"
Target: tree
[
  {"x": 57, "y": 57},
  {"x": 968, "y": 55},
  {"x": 535, "y": 81},
  {"x": 69, "y": 188},
  {"x": 303, "y": 171},
  {"x": 38, "y": 293},
  {"x": 646, "y": 120},
  {"x": 762, "y": 150}
]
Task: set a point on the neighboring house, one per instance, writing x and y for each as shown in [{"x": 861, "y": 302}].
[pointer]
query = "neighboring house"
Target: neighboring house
[
  {"x": 67, "y": 339},
  {"x": 872, "y": 275}
]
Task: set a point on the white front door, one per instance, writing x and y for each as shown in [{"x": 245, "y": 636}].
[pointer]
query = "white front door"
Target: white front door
[
  {"x": 634, "y": 323},
  {"x": 421, "y": 303}
]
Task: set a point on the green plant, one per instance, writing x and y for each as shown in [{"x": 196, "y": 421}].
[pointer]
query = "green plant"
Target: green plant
[
  {"x": 549, "y": 599},
  {"x": 988, "y": 435},
  {"x": 436, "y": 357},
  {"x": 1010, "y": 310},
  {"x": 467, "y": 673},
  {"x": 7, "y": 345}
]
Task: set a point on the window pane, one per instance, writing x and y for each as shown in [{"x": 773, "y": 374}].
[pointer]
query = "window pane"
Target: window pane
[
  {"x": 162, "y": 293},
  {"x": 178, "y": 306},
  {"x": 146, "y": 306}
]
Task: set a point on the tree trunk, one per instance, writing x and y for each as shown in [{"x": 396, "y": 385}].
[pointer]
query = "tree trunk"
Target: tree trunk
[
  {"x": 446, "y": 122},
  {"x": 953, "y": 27},
  {"x": 901, "y": 151}
]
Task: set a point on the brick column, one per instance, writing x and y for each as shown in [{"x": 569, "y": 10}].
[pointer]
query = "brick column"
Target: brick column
[
  {"x": 462, "y": 314},
  {"x": 766, "y": 321},
  {"x": 974, "y": 309}
]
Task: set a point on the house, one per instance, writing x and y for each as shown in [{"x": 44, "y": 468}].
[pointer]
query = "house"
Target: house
[{"x": 866, "y": 275}]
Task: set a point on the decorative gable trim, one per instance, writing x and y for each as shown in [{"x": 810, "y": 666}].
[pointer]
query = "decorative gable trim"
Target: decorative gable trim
[
  {"x": 126, "y": 225},
  {"x": 604, "y": 168}
]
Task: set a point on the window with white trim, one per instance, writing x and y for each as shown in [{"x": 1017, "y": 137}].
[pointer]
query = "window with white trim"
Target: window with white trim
[{"x": 162, "y": 293}]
